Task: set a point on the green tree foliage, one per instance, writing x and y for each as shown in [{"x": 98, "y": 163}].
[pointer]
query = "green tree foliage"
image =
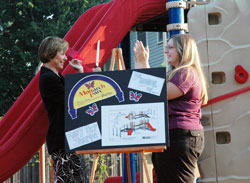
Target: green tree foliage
[{"x": 23, "y": 24}]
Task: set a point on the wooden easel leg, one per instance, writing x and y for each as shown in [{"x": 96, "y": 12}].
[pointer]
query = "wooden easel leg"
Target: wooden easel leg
[
  {"x": 112, "y": 62},
  {"x": 118, "y": 60},
  {"x": 117, "y": 55},
  {"x": 122, "y": 60},
  {"x": 128, "y": 168},
  {"x": 94, "y": 166},
  {"x": 145, "y": 165}
]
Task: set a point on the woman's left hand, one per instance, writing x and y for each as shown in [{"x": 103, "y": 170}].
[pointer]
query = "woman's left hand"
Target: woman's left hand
[
  {"x": 76, "y": 64},
  {"x": 141, "y": 55}
]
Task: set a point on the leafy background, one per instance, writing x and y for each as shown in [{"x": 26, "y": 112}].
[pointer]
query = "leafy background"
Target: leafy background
[{"x": 23, "y": 25}]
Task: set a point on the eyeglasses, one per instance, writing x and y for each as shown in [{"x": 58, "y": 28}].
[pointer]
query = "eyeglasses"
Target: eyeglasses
[{"x": 169, "y": 47}]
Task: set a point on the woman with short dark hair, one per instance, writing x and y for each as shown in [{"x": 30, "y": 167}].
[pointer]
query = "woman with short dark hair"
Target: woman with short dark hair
[{"x": 51, "y": 52}]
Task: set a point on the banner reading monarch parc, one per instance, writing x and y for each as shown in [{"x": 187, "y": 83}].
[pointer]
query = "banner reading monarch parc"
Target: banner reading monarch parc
[{"x": 91, "y": 89}]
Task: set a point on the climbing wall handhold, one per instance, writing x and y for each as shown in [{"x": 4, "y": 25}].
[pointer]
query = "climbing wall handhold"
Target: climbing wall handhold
[{"x": 241, "y": 75}]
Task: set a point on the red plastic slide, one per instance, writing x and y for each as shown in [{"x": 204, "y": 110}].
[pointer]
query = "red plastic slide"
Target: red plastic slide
[{"x": 23, "y": 128}]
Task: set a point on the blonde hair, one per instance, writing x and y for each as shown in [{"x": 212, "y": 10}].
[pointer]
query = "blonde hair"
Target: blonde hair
[
  {"x": 189, "y": 57},
  {"x": 50, "y": 46}
]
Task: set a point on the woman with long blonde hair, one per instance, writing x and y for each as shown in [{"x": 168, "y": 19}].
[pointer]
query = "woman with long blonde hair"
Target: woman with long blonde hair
[{"x": 186, "y": 92}]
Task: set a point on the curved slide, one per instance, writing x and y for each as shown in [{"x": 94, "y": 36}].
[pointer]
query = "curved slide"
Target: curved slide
[{"x": 23, "y": 128}]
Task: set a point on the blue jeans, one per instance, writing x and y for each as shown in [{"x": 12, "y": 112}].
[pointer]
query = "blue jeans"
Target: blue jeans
[{"x": 177, "y": 163}]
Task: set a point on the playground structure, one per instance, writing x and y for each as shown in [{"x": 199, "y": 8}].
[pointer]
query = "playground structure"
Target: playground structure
[
  {"x": 222, "y": 34},
  {"x": 23, "y": 128}
]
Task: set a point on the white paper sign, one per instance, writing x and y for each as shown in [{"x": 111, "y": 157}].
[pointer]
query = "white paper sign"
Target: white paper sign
[
  {"x": 83, "y": 135},
  {"x": 146, "y": 83},
  {"x": 133, "y": 124}
]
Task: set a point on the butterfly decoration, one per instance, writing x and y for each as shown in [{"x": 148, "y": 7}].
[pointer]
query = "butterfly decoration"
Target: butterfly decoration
[
  {"x": 90, "y": 85},
  {"x": 92, "y": 110},
  {"x": 134, "y": 96}
]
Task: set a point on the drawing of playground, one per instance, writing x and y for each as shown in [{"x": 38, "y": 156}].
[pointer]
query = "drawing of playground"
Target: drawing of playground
[{"x": 133, "y": 124}]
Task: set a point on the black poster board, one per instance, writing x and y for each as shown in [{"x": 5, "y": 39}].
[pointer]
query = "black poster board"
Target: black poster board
[{"x": 116, "y": 109}]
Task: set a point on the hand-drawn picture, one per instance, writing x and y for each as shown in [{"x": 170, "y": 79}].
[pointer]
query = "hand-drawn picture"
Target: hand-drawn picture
[{"x": 133, "y": 124}]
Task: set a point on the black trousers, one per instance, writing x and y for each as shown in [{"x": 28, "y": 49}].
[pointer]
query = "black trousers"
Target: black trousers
[
  {"x": 67, "y": 167},
  {"x": 177, "y": 163}
]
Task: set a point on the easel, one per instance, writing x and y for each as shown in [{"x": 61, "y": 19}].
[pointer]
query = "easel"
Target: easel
[
  {"x": 128, "y": 150},
  {"x": 117, "y": 54}
]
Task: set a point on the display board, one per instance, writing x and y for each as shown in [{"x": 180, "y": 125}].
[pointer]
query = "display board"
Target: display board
[{"x": 116, "y": 109}]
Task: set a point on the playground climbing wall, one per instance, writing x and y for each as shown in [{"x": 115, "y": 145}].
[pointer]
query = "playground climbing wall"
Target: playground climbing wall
[{"x": 222, "y": 31}]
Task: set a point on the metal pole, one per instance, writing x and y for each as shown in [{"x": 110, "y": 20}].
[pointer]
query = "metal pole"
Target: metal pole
[{"x": 176, "y": 15}]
